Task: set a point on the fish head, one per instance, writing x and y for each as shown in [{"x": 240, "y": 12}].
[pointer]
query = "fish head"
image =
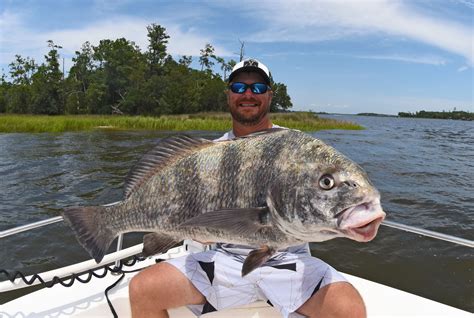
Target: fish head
[{"x": 329, "y": 196}]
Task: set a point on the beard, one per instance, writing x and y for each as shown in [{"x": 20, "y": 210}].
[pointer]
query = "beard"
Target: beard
[{"x": 248, "y": 119}]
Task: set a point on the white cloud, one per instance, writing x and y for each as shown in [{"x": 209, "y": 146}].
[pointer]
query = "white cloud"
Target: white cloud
[
  {"x": 11, "y": 31},
  {"x": 467, "y": 3},
  {"x": 18, "y": 39},
  {"x": 8, "y": 20},
  {"x": 309, "y": 21},
  {"x": 72, "y": 39},
  {"x": 422, "y": 59}
]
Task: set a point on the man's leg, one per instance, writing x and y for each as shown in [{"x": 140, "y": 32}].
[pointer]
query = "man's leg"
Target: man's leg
[
  {"x": 161, "y": 287},
  {"x": 339, "y": 299}
]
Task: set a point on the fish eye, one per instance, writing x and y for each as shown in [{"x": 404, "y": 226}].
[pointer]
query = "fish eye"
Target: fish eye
[{"x": 326, "y": 182}]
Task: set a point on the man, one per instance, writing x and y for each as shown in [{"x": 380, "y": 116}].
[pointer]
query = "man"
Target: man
[{"x": 292, "y": 281}]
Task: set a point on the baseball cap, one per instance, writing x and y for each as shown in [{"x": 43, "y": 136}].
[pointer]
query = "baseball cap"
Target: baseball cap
[{"x": 251, "y": 65}]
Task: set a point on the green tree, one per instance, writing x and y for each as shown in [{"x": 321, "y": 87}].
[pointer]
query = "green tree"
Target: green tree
[
  {"x": 228, "y": 67},
  {"x": 158, "y": 43},
  {"x": 186, "y": 60},
  {"x": 281, "y": 100},
  {"x": 225, "y": 67},
  {"x": 231, "y": 64},
  {"x": 212, "y": 96},
  {"x": 205, "y": 59},
  {"x": 83, "y": 67},
  {"x": 4, "y": 87},
  {"x": 121, "y": 67},
  {"x": 116, "y": 77},
  {"x": 47, "y": 85},
  {"x": 18, "y": 99},
  {"x": 80, "y": 77},
  {"x": 96, "y": 99},
  {"x": 22, "y": 69},
  {"x": 18, "y": 96},
  {"x": 182, "y": 90}
]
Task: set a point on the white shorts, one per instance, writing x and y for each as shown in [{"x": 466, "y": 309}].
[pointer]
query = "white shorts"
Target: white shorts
[{"x": 286, "y": 285}]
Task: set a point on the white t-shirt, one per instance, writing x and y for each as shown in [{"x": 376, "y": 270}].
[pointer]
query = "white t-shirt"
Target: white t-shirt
[{"x": 230, "y": 134}]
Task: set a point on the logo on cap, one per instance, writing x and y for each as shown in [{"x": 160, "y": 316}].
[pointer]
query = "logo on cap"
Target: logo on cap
[{"x": 250, "y": 63}]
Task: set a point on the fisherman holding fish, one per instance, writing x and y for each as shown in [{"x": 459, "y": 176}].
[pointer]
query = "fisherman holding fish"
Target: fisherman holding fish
[
  {"x": 291, "y": 280},
  {"x": 263, "y": 192}
]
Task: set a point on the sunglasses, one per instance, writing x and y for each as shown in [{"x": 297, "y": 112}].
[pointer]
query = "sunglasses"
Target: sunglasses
[{"x": 256, "y": 88}]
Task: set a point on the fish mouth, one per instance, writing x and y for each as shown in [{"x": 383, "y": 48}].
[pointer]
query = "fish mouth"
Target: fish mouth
[
  {"x": 361, "y": 222},
  {"x": 365, "y": 232}
]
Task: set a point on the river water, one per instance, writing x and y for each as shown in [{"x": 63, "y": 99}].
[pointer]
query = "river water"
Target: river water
[{"x": 423, "y": 168}]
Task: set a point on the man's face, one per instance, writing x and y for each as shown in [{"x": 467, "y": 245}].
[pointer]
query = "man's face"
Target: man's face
[{"x": 249, "y": 108}]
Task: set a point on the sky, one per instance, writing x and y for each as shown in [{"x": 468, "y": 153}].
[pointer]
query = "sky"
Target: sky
[{"x": 338, "y": 56}]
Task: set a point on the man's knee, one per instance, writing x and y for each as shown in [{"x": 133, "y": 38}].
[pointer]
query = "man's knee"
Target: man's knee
[
  {"x": 163, "y": 287},
  {"x": 335, "y": 300},
  {"x": 145, "y": 285}
]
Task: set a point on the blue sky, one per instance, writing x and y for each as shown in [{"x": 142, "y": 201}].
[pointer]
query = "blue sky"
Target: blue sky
[{"x": 338, "y": 56}]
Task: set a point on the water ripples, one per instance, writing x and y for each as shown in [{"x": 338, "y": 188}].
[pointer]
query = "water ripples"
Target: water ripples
[{"x": 424, "y": 170}]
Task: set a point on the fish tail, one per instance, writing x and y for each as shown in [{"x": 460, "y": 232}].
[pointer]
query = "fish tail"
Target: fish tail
[{"x": 91, "y": 232}]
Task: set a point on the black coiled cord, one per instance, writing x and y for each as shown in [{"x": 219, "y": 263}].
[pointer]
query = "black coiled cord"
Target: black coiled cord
[{"x": 70, "y": 280}]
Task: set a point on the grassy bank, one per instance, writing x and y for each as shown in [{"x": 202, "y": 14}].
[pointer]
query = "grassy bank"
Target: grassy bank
[{"x": 201, "y": 121}]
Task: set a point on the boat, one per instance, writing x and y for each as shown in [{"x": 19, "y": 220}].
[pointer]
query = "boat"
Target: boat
[{"x": 88, "y": 289}]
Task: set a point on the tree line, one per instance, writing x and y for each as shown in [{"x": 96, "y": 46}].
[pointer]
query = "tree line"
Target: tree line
[
  {"x": 459, "y": 115},
  {"x": 116, "y": 77}
]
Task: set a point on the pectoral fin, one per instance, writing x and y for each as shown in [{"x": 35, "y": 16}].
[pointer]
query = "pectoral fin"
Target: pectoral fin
[
  {"x": 256, "y": 258},
  {"x": 241, "y": 222},
  {"x": 155, "y": 243}
]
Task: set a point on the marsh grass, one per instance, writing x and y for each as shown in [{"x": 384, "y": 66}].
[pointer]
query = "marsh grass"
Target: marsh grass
[
  {"x": 200, "y": 121},
  {"x": 306, "y": 121}
]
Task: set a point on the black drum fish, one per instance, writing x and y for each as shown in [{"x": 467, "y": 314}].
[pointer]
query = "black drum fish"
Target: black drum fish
[{"x": 270, "y": 189}]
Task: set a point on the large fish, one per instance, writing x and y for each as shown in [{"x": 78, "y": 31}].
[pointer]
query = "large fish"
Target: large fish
[{"x": 271, "y": 190}]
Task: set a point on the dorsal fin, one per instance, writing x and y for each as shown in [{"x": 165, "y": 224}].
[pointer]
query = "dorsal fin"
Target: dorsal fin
[{"x": 166, "y": 151}]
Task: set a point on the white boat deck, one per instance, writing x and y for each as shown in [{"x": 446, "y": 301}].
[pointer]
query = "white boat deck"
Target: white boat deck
[{"x": 88, "y": 300}]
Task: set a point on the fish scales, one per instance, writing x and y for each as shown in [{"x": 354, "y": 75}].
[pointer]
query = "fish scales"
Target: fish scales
[
  {"x": 275, "y": 188},
  {"x": 252, "y": 161}
]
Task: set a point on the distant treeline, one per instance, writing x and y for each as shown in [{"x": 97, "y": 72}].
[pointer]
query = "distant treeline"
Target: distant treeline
[
  {"x": 375, "y": 115},
  {"x": 116, "y": 77},
  {"x": 459, "y": 115}
]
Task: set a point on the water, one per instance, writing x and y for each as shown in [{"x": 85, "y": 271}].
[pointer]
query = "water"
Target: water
[{"x": 423, "y": 168}]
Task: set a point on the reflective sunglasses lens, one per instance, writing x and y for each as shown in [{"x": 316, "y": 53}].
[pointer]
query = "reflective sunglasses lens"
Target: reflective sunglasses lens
[
  {"x": 238, "y": 88},
  {"x": 256, "y": 88},
  {"x": 259, "y": 88}
]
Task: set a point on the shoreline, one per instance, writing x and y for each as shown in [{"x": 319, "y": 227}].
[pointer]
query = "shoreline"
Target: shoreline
[{"x": 303, "y": 121}]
